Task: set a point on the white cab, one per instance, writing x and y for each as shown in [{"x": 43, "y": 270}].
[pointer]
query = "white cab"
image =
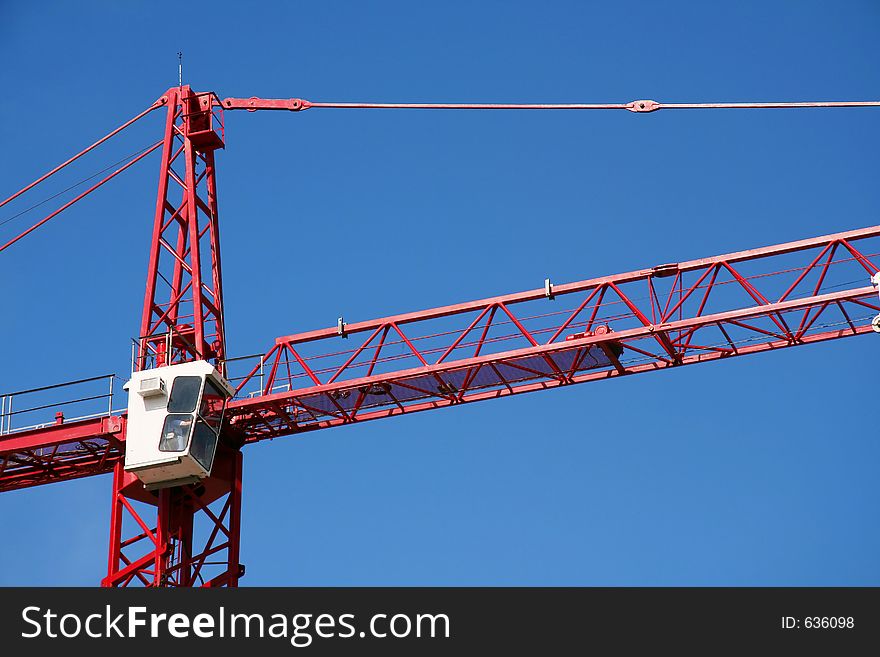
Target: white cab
[{"x": 174, "y": 418}]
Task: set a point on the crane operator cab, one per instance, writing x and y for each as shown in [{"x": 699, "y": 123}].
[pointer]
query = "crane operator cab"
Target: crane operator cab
[{"x": 174, "y": 418}]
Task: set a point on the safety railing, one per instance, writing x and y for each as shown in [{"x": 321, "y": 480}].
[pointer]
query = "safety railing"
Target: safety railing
[
  {"x": 237, "y": 369},
  {"x": 160, "y": 349},
  {"x": 55, "y": 404},
  {"x": 204, "y": 114}
]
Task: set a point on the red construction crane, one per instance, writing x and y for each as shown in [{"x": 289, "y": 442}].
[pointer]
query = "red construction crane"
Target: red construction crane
[{"x": 641, "y": 321}]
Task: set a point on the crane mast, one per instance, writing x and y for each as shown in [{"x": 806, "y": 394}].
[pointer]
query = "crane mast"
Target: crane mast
[
  {"x": 182, "y": 321},
  {"x": 656, "y": 318},
  {"x": 182, "y": 316}
]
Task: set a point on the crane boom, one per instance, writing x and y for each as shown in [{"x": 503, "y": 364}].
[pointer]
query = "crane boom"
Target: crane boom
[
  {"x": 641, "y": 321},
  {"x": 62, "y": 451}
]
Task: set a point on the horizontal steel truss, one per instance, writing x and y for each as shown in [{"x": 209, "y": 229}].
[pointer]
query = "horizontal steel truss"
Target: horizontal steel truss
[
  {"x": 666, "y": 316},
  {"x": 60, "y": 452},
  {"x": 661, "y": 317}
]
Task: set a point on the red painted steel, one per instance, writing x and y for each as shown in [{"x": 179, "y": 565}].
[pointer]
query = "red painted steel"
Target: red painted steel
[
  {"x": 665, "y": 316},
  {"x": 161, "y": 101},
  {"x": 79, "y": 197},
  {"x": 182, "y": 321},
  {"x": 253, "y": 104},
  {"x": 647, "y": 320},
  {"x": 177, "y": 537},
  {"x": 182, "y": 317},
  {"x": 60, "y": 452}
]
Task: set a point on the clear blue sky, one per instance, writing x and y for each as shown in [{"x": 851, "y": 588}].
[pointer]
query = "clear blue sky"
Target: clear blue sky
[{"x": 758, "y": 471}]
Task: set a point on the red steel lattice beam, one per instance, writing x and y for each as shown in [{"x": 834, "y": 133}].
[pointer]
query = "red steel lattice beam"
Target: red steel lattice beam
[
  {"x": 182, "y": 321},
  {"x": 61, "y": 452},
  {"x": 177, "y": 537},
  {"x": 182, "y": 316},
  {"x": 646, "y": 320},
  {"x": 675, "y": 314}
]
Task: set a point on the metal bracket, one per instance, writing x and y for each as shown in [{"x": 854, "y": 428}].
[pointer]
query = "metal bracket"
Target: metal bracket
[
  {"x": 340, "y": 327},
  {"x": 663, "y": 271},
  {"x": 875, "y": 323},
  {"x": 643, "y": 106},
  {"x": 548, "y": 289}
]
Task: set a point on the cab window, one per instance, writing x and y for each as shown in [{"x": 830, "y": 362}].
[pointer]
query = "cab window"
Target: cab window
[
  {"x": 204, "y": 442},
  {"x": 175, "y": 433},
  {"x": 184, "y": 394},
  {"x": 213, "y": 401}
]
